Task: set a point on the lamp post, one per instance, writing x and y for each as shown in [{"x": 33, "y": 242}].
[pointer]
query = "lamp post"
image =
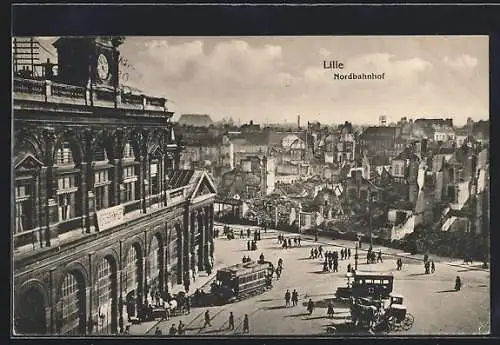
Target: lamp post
[
  {"x": 356, "y": 256},
  {"x": 370, "y": 220}
]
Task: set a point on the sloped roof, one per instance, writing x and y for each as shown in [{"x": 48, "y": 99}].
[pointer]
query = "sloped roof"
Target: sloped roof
[
  {"x": 180, "y": 178},
  {"x": 195, "y": 120}
]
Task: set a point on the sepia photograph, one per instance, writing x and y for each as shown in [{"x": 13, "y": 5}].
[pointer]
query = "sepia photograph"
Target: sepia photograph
[{"x": 235, "y": 186}]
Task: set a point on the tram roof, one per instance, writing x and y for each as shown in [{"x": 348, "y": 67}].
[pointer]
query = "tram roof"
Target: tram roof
[
  {"x": 244, "y": 267},
  {"x": 373, "y": 274}
]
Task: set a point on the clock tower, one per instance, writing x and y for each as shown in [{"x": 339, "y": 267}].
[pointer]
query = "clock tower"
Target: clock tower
[{"x": 88, "y": 59}]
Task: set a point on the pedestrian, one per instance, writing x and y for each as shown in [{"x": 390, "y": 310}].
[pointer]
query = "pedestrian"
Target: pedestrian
[
  {"x": 248, "y": 245},
  {"x": 188, "y": 304},
  {"x": 335, "y": 266},
  {"x": 342, "y": 254},
  {"x": 379, "y": 257},
  {"x": 315, "y": 237},
  {"x": 368, "y": 257},
  {"x": 246, "y": 326},
  {"x": 231, "y": 321},
  {"x": 330, "y": 265},
  {"x": 349, "y": 253},
  {"x": 310, "y": 306},
  {"x": 278, "y": 272},
  {"x": 295, "y": 241},
  {"x": 298, "y": 240},
  {"x": 312, "y": 254},
  {"x": 248, "y": 233},
  {"x": 349, "y": 268},
  {"x": 287, "y": 298},
  {"x": 265, "y": 230},
  {"x": 295, "y": 297},
  {"x": 280, "y": 262},
  {"x": 261, "y": 257},
  {"x": 427, "y": 266},
  {"x": 433, "y": 267},
  {"x": 207, "y": 319},
  {"x": 315, "y": 253},
  {"x": 330, "y": 310},
  {"x": 158, "y": 331},
  {"x": 173, "y": 330},
  {"x": 320, "y": 251},
  {"x": 241, "y": 233},
  {"x": 180, "y": 328},
  {"x": 289, "y": 243}
]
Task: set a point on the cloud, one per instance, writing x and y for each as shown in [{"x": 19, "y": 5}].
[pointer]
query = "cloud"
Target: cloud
[
  {"x": 463, "y": 61},
  {"x": 388, "y": 63}
]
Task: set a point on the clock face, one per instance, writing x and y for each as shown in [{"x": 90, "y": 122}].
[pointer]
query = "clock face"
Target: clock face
[{"x": 102, "y": 67}]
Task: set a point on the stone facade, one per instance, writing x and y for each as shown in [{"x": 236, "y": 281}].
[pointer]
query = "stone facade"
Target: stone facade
[{"x": 103, "y": 217}]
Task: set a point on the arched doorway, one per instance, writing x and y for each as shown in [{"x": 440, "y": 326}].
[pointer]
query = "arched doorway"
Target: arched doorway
[
  {"x": 72, "y": 305},
  {"x": 107, "y": 297},
  {"x": 30, "y": 313},
  {"x": 133, "y": 278}
]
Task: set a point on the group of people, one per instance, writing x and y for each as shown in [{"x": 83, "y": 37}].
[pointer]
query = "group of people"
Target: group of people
[
  {"x": 287, "y": 242},
  {"x": 316, "y": 253},
  {"x": 293, "y": 297},
  {"x": 429, "y": 265},
  {"x": 246, "y": 259},
  {"x": 345, "y": 253},
  {"x": 246, "y": 325},
  {"x": 174, "y": 330},
  {"x": 372, "y": 257},
  {"x": 399, "y": 264},
  {"x": 256, "y": 234},
  {"x": 251, "y": 245},
  {"x": 331, "y": 262}
]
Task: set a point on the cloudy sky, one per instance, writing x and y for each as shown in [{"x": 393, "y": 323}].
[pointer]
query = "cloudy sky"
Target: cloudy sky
[{"x": 273, "y": 79}]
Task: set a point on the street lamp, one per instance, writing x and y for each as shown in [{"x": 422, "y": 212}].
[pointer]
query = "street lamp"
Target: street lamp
[
  {"x": 356, "y": 256},
  {"x": 370, "y": 196}
]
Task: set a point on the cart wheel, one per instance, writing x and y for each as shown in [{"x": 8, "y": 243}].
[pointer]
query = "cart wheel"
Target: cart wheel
[
  {"x": 392, "y": 325},
  {"x": 408, "y": 322}
]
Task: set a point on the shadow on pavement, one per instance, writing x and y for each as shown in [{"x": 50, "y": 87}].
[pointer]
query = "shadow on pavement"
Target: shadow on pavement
[
  {"x": 315, "y": 318},
  {"x": 346, "y": 329},
  {"x": 275, "y": 307},
  {"x": 297, "y": 315},
  {"x": 443, "y": 291},
  {"x": 268, "y": 300},
  {"x": 323, "y": 303},
  {"x": 416, "y": 274}
]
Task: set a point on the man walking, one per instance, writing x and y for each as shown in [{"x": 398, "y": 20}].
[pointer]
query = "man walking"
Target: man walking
[
  {"x": 231, "y": 321},
  {"x": 433, "y": 267},
  {"x": 246, "y": 326},
  {"x": 180, "y": 328},
  {"x": 287, "y": 298},
  {"x": 207, "y": 320},
  {"x": 295, "y": 297},
  {"x": 349, "y": 253}
]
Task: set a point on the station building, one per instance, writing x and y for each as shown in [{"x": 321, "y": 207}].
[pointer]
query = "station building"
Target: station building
[{"x": 102, "y": 216}]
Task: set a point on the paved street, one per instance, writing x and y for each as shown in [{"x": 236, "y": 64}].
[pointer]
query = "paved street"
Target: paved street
[{"x": 429, "y": 298}]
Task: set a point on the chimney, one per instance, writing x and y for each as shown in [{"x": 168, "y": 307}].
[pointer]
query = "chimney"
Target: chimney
[{"x": 298, "y": 121}]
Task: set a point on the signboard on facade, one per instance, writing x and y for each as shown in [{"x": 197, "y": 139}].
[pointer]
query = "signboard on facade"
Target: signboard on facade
[{"x": 109, "y": 217}]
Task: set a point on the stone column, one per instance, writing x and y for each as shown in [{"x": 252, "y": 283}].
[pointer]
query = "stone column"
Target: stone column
[
  {"x": 186, "y": 253},
  {"x": 202, "y": 244},
  {"x": 115, "y": 184},
  {"x": 120, "y": 287},
  {"x": 141, "y": 175},
  {"x": 85, "y": 178},
  {"x": 52, "y": 217},
  {"x": 180, "y": 253},
  {"x": 89, "y": 295},
  {"x": 211, "y": 229},
  {"x": 145, "y": 269},
  {"x": 193, "y": 230}
]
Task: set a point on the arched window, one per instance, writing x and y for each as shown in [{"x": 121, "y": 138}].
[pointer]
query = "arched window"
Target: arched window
[
  {"x": 133, "y": 269},
  {"x": 106, "y": 295},
  {"x": 72, "y": 302},
  {"x": 154, "y": 260},
  {"x": 128, "y": 151},
  {"x": 64, "y": 155}
]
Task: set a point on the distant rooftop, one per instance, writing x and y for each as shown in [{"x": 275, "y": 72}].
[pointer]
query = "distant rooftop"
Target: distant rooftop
[{"x": 198, "y": 120}]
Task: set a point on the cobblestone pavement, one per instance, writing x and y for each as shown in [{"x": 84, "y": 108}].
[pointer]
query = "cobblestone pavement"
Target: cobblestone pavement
[{"x": 437, "y": 309}]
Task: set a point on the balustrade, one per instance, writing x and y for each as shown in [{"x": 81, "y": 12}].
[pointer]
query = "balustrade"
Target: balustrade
[{"x": 39, "y": 89}]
